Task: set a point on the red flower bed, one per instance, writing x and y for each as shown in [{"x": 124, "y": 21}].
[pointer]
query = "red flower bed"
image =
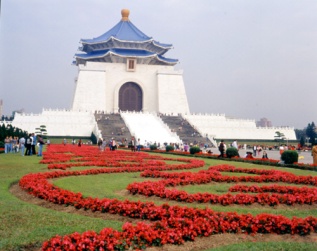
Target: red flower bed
[
  {"x": 171, "y": 224},
  {"x": 281, "y": 194},
  {"x": 77, "y": 157}
]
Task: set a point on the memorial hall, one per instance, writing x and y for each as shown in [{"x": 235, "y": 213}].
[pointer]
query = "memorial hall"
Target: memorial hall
[{"x": 127, "y": 87}]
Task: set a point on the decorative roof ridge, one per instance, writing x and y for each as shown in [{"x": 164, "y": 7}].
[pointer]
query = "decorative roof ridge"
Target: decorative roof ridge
[
  {"x": 137, "y": 30},
  {"x": 153, "y": 55},
  {"x": 114, "y": 38},
  {"x": 151, "y": 40},
  {"x": 161, "y": 58}
]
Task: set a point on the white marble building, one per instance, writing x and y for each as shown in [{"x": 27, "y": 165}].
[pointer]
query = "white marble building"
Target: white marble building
[
  {"x": 124, "y": 70},
  {"x": 99, "y": 84}
]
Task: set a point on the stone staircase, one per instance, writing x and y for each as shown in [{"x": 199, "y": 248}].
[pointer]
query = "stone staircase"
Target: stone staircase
[
  {"x": 112, "y": 126},
  {"x": 184, "y": 130}
]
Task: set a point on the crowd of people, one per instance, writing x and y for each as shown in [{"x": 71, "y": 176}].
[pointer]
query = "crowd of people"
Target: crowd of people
[
  {"x": 33, "y": 145},
  {"x": 25, "y": 145},
  {"x": 135, "y": 144},
  {"x": 257, "y": 150}
]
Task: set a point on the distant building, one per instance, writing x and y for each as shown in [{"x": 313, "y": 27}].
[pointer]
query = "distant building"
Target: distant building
[{"x": 264, "y": 122}]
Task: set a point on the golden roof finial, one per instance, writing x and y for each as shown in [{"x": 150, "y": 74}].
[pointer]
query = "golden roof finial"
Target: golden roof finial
[{"x": 125, "y": 14}]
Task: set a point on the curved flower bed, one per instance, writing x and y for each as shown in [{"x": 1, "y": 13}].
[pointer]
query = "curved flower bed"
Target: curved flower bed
[
  {"x": 281, "y": 194},
  {"x": 171, "y": 224}
]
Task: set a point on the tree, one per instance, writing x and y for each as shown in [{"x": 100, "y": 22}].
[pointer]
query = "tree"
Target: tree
[
  {"x": 9, "y": 130},
  {"x": 311, "y": 133},
  {"x": 302, "y": 141},
  {"x": 41, "y": 131},
  {"x": 300, "y": 133},
  {"x": 279, "y": 137}
]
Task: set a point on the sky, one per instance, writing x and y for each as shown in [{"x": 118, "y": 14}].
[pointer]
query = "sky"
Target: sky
[{"x": 247, "y": 59}]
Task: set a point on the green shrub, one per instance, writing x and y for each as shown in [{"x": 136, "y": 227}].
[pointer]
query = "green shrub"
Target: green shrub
[
  {"x": 289, "y": 157},
  {"x": 153, "y": 147},
  {"x": 1, "y": 144},
  {"x": 232, "y": 152},
  {"x": 194, "y": 149},
  {"x": 169, "y": 148}
]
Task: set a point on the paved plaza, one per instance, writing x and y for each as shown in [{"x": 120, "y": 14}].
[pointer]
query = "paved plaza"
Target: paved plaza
[{"x": 304, "y": 157}]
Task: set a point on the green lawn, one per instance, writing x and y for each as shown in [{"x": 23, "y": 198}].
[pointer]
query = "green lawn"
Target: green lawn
[{"x": 24, "y": 224}]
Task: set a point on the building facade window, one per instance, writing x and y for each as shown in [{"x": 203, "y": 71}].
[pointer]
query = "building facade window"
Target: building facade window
[{"x": 131, "y": 64}]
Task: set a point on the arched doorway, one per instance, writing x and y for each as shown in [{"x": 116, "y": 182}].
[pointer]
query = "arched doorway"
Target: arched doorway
[{"x": 130, "y": 97}]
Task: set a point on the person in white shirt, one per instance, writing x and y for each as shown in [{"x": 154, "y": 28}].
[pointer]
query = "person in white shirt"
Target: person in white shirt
[
  {"x": 235, "y": 144},
  {"x": 22, "y": 145}
]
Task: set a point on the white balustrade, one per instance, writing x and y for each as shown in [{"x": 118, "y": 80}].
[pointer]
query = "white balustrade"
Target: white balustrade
[{"x": 223, "y": 127}]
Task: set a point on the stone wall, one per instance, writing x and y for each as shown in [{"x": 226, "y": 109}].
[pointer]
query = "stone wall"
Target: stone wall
[
  {"x": 221, "y": 127},
  {"x": 59, "y": 122}
]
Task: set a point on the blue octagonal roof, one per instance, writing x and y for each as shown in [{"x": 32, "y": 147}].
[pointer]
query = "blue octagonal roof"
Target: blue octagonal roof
[{"x": 124, "y": 37}]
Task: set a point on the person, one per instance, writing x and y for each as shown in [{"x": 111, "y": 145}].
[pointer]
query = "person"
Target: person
[
  {"x": 41, "y": 143},
  {"x": 139, "y": 145},
  {"x": 104, "y": 145},
  {"x": 28, "y": 145},
  {"x": 222, "y": 149},
  {"x": 314, "y": 154},
  {"x": 7, "y": 145},
  {"x": 33, "y": 144},
  {"x": 79, "y": 142},
  {"x": 22, "y": 145},
  {"x": 132, "y": 144},
  {"x": 235, "y": 144},
  {"x": 249, "y": 155},
  {"x": 113, "y": 144},
  {"x": 264, "y": 156},
  {"x": 15, "y": 147},
  {"x": 281, "y": 149},
  {"x": 110, "y": 144},
  {"x": 99, "y": 143},
  {"x": 10, "y": 144},
  {"x": 254, "y": 150},
  {"x": 258, "y": 149},
  {"x": 186, "y": 147},
  {"x": 64, "y": 142}
]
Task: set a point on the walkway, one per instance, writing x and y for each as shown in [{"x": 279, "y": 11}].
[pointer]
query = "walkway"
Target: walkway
[{"x": 304, "y": 157}]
